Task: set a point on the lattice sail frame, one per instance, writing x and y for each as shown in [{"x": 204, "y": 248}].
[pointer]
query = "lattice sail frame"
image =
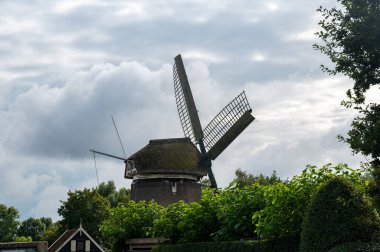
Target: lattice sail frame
[
  {"x": 182, "y": 109},
  {"x": 222, "y": 130},
  {"x": 227, "y": 125},
  {"x": 187, "y": 111}
]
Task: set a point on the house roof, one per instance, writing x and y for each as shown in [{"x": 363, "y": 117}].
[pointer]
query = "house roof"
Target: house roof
[
  {"x": 67, "y": 236},
  {"x": 62, "y": 240}
]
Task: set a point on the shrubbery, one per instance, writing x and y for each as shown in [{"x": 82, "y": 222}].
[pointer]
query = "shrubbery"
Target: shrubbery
[
  {"x": 134, "y": 220},
  {"x": 285, "y": 203},
  {"x": 338, "y": 214},
  {"x": 271, "y": 211},
  {"x": 182, "y": 222},
  {"x": 236, "y": 207}
]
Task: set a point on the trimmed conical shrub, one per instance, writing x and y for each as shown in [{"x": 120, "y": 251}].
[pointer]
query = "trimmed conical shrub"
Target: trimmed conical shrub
[{"x": 338, "y": 215}]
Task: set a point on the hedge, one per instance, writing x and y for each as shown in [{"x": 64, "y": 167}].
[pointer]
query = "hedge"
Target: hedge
[
  {"x": 277, "y": 245},
  {"x": 338, "y": 215},
  {"x": 356, "y": 247}
]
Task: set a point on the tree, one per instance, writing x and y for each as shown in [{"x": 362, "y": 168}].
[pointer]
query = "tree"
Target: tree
[
  {"x": 84, "y": 206},
  {"x": 8, "y": 223},
  {"x": 351, "y": 39},
  {"x": 34, "y": 228},
  {"x": 243, "y": 178},
  {"x": 52, "y": 233},
  {"x": 112, "y": 195}
]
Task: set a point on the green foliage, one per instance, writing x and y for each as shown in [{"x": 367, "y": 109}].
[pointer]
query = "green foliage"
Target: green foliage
[
  {"x": 34, "y": 228},
  {"x": 8, "y": 223},
  {"x": 200, "y": 220},
  {"x": 134, "y": 220},
  {"x": 236, "y": 207},
  {"x": 189, "y": 222},
  {"x": 337, "y": 215},
  {"x": 243, "y": 178},
  {"x": 350, "y": 38},
  {"x": 285, "y": 202},
  {"x": 284, "y": 245},
  {"x": 364, "y": 135},
  {"x": 87, "y": 207},
  {"x": 168, "y": 224},
  {"x": 115, "y": 197},
  {"x": 52, "y": 232},
  {"x": 272, "y": 211},
  {"x": 23, "y": 239}
]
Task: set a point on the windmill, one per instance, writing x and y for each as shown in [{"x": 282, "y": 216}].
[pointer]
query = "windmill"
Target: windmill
[
  {"x": 221, "y": 131},
  {"x": 168, "y": 170}
]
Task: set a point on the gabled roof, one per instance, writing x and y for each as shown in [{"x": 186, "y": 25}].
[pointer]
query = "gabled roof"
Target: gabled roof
[
  {"x": 63, "y": 239},
  {"x": 66, "y": 238}
]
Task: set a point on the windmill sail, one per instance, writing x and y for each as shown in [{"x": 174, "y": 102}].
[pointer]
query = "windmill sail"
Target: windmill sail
[
  {"x": 227, "y": 125},
  {"x": 221, "y": 131},
  {"x": 185, "y": 103}
]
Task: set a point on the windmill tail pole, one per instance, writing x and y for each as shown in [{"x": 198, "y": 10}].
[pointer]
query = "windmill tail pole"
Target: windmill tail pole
[
  {"x": 108, "y": 155},
  {"x": 208, "y": 164}
]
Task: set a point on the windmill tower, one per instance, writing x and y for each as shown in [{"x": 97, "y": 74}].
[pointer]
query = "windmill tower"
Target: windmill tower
[{"x": 168, "y": 170}]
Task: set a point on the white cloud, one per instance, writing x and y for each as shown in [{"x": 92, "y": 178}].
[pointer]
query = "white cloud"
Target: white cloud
[
  {"x": 258, "y": 57},
  {"x": 11, "y": 25},
  {"x": 133, "y": 9},
  {"x": 308, "y": 35},
  {"x": 273, "y": 7},
  {"x": 63, "y": 7},
  {"x": 205, "y": 56},
  {"x": 49, "y": 201}
]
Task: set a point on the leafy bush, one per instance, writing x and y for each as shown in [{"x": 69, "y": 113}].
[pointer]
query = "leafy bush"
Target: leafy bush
[
  {"x": 272, "y": 210},
  {"x": 168, "y": 224},
  {"x": 134, "y": 220},
  {"x": 196, "y": 221},
  {"x": 23, "y": 239},
  {"x": 219, "y": 216},
  {"x": 235, "y": 210},
  {"x": 337, "y": 215},
  {"x": 285, "y": 202}
]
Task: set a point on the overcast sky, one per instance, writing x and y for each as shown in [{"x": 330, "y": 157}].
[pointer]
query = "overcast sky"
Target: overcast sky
[{"x": 67, "y": 66}]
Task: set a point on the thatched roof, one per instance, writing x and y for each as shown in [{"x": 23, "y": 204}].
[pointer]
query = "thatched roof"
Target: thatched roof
[{"x": 164, "y": 156}]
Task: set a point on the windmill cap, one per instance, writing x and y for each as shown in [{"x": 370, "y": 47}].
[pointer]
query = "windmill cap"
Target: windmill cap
[{"x": 167, "y": 156}]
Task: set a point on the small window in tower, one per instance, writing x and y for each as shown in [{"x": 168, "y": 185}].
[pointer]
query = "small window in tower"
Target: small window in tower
[{"x": 174, "y": 187}]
